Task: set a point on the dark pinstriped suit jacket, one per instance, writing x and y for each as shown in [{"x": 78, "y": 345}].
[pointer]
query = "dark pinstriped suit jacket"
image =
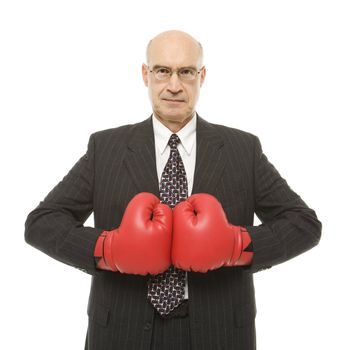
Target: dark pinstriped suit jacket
[{"x": 120, "y": 163}]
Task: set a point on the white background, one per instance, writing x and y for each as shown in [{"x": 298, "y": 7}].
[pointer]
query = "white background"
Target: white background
[{"x": 277, "y": 69}]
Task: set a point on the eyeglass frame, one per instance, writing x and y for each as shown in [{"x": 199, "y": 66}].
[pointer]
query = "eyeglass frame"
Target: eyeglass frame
[{"x": 175, "y": 71}]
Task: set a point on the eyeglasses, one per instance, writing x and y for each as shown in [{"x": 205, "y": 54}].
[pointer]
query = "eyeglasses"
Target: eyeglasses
[{"x": 184, "y": 73}]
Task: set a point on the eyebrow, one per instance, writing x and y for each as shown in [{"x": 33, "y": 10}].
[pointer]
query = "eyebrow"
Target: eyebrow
[{"x": 161, "y": 66}]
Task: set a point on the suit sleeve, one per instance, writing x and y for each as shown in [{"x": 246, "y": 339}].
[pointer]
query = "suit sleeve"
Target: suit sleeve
[
  {"x": 56, "y": 225},
  {"x": 289, "y": 227}
]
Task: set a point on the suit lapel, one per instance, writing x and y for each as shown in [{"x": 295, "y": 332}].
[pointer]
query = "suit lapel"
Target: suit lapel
[
  {"x": 140, "y": 158},
  {"x": 209, "y": 158}
]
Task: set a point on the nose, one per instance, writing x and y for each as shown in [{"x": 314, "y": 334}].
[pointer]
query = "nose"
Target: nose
[{"x": 174, "y": 84}]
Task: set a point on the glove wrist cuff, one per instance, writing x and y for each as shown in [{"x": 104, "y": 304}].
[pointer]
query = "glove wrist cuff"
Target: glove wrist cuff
[
  {"x": 102, "y": 252},
  {"x": 240, "y": 256}
]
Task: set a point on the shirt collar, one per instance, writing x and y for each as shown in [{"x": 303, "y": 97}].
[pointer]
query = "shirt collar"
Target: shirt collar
[{"x": 186, "y": 134}]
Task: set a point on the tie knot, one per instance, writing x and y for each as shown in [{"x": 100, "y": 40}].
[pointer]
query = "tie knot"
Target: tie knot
[{"x": 173, "y": 141}]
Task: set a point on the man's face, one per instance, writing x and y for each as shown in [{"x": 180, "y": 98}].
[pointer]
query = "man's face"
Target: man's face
[{"x": 173, "y": 99}]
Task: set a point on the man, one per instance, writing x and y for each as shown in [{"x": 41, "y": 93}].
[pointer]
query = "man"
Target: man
[{"x": 174, "y": 249}]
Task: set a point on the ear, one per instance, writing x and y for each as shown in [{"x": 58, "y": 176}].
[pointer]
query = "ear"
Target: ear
[
  {"x": 145, "y": 74},
  {"x": 203, "y": 74}
]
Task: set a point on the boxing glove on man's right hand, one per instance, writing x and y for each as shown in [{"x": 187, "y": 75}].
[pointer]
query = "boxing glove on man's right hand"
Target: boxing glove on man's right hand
[{"x": 142, "y": 242}]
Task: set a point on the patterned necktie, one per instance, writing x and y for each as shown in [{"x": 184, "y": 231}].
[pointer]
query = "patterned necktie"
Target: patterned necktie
[{"x": 166, "y": 291}]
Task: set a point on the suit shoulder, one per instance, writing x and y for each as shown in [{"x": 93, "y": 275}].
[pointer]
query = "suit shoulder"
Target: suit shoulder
[
  {"x": 119, "y": 137},
  {"x": 228, "y": 132},
  {"x": 106, "y": 133}
]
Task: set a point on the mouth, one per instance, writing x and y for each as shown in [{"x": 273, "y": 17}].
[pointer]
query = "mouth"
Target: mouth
[{"x": 173, "y": 100}]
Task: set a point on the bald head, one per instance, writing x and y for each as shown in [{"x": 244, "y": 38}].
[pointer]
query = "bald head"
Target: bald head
[
  {"x": 174, "y": 98},
  {"x": 175, "y": 42}
]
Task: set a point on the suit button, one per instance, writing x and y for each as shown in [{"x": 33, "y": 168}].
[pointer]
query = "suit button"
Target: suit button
[{"x": 147, "y": 326}]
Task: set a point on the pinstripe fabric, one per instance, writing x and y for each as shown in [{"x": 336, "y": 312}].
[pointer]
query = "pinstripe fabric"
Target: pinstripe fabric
[
  {"x": 171, "y": 334},
  {"x": 119, "y": 163}
]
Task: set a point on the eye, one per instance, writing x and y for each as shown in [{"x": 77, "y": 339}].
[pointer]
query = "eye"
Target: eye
[
  {"x": 162, "y": 71},
  {"x": 187, "y": 72}
]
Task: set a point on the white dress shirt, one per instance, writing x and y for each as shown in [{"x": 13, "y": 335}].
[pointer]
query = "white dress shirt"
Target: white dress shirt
[{"x": 187, "y": 150}]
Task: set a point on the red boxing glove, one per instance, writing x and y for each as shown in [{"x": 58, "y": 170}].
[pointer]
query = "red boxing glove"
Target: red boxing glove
[
  {"x": 142, "y": 242},
  {"x": 203, "y": 239}
]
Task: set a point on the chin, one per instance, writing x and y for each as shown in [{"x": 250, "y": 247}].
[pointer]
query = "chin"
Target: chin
[
  {"x": 169, "y": 114},
  {"x": 173, "y": 114}
]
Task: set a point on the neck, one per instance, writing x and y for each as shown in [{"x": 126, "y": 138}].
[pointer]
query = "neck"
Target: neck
[{"x": 174, "y": 125}]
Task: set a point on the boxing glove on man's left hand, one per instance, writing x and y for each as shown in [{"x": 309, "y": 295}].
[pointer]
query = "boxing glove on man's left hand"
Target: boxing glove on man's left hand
[
  {"x": 203, "y": 239},
  {"x": 142, "y": 242}
]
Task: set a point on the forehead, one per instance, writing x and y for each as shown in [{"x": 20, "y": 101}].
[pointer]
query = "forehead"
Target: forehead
[{"x": 174, "y": 52}]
